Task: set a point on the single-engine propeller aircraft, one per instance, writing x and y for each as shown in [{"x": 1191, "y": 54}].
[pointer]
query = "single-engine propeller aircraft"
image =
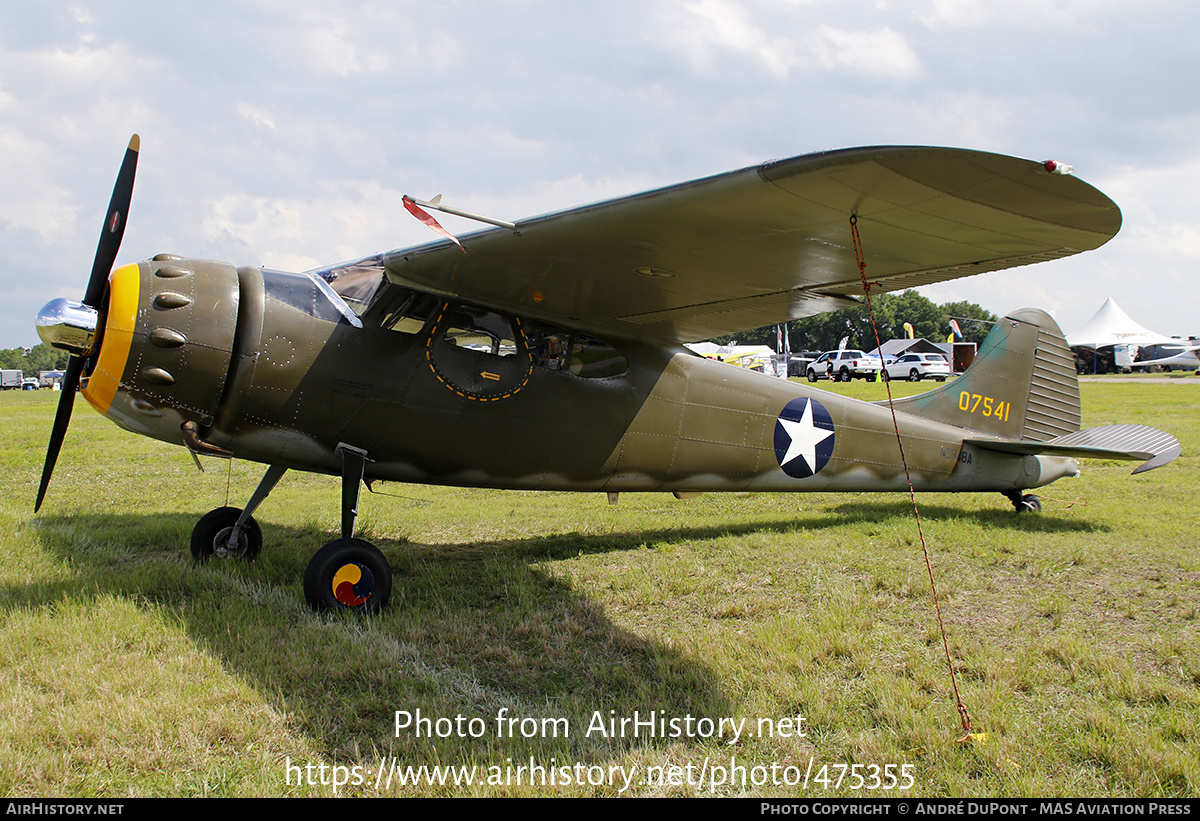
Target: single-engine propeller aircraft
[{"x": 549, "y": 355}]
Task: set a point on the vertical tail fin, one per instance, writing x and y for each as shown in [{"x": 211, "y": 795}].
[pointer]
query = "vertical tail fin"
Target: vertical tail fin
[{"x": 1022, "y": 384}]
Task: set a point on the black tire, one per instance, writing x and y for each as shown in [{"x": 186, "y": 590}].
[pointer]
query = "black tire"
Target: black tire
[
  {"x": 349, "y": 575},
  {"x": 872, "y": 377},
  {"x": 941, "y": 379},
  {"x": 845, "y": 375},
  {"x": 914, "y": 375},
  {"x": 884, "y": 376},
  {"x": 812, "y": 375},
  {"x": 1029, "y": 504},
  {"x": 212, "y": 532}
]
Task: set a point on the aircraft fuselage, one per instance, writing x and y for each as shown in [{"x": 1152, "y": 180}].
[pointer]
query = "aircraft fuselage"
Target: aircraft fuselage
[{"x": 280, "y": 371}]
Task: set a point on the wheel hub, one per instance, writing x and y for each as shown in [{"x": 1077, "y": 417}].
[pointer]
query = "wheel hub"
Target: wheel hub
[
  {"x": 353, "y": 584},
  {"x": 222, "y": 541}
]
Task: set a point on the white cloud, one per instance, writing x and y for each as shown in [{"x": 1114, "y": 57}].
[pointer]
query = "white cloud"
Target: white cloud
[
  {"x": 878, "y": 53},
  {"x": 257, "y": 115},
  {"x": 955, "y": 14},
  {"x": 329, "y": 43},
  {"x": 710, "y": 31}
]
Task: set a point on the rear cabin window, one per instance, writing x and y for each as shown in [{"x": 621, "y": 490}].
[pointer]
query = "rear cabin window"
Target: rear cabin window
[
  {"x": 480, "y": 330},
  {"x": 595, "y": 359}
]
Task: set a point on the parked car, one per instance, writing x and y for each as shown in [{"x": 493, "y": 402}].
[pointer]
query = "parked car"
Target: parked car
[
  {"x": 917, "y": 366},
  {"x": 842, "y": 366},
  {"x": 29, "y": 384}
]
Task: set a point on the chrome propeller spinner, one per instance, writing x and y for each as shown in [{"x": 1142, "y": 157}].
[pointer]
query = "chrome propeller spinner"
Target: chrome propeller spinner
[{"x": 68, "y": 325}]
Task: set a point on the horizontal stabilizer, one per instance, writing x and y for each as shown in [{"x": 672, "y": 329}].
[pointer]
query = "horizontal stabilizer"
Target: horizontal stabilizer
[{"x": 1108, "y": 442}]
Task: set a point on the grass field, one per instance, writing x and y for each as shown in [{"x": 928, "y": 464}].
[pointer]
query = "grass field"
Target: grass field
[{"x": 130, "y": 671}]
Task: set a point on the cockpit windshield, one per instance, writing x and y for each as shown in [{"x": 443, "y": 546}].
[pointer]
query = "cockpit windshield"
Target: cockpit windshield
[
  {"x": 356, "y": 283},
  {"x": 310, "y": 294}
]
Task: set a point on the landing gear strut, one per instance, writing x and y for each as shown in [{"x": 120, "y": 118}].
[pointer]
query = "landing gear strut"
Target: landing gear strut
[
  {"x": 228, "y": 532},
  {"x": 348, "y": 573},
  {"x": 1027, "y": 503}
]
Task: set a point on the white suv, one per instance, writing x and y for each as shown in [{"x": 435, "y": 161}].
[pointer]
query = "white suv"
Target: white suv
[
  {"x": 842, "y": 366},
  {"x": 917, "y": 366}
]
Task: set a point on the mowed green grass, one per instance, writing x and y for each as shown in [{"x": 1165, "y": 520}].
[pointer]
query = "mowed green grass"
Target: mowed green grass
[{"x": 131, "y": 671}]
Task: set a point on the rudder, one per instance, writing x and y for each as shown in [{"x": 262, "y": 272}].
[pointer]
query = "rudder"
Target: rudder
[{"x": 1022, "y": 384}]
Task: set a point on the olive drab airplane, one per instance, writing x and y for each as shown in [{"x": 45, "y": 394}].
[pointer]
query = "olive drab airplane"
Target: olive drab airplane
[{"x": 550, "y": 354}]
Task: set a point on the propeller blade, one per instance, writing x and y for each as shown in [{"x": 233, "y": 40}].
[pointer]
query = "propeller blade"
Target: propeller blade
[
  {"x": 106, "y": 257},
  {"x": 114, "y": 226},
  {"x": 62, "y": 418}
]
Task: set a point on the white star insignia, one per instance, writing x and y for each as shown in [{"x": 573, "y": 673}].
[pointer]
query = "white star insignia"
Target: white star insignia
[{"x": 805, "y": 438}]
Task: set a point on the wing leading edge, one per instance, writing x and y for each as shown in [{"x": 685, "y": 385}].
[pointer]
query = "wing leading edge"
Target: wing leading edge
[{"x": 769, "y": 243}]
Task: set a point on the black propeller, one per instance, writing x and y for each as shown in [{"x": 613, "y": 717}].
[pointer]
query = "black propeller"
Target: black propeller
[{"x": 106, "y": 256}]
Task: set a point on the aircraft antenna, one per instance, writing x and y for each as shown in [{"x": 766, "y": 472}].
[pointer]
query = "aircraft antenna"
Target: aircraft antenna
[{"x": 861, "y": 258}]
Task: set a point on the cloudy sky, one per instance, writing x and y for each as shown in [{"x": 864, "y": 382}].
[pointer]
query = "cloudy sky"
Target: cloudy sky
[{"x": 284, "y": 133}]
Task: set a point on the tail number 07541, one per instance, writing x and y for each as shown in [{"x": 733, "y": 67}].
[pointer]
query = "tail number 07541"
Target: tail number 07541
[{"x": 972, "y": 402}]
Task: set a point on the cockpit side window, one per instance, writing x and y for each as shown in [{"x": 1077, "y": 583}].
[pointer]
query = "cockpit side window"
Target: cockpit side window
[
  {"x": 409, "y": 314},
  {"x": 400, "y": 309}
]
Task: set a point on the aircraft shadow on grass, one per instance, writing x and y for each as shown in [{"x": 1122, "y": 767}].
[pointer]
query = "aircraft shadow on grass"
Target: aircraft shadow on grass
[
  {"x": 990, "y": 518},
  {"x": 473, "y": 628},
  {"x": 480, "y": 622}
]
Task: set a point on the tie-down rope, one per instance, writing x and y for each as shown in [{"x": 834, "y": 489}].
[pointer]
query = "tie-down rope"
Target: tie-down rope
[{"x": 861, "y": 258}]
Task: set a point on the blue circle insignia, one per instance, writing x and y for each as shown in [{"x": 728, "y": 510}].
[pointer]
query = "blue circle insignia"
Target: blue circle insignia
[{"x": 803, "y": 438}]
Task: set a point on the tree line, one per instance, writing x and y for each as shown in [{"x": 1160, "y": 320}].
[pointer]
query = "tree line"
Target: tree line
[
  {"x": 39, "y": 358},
  {"x": 823, "y": 332}
]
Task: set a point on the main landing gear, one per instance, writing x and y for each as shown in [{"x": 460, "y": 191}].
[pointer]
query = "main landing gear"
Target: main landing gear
[
  {"x": 1027, "y": 503},
  {"x": 346, "y": 574}
]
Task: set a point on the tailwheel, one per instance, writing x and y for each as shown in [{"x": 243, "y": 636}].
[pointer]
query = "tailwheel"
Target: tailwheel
[
  {"x": 211, "y": 535},
  {"x": 1027, "y": 503},
  {"x": 349, "y": 575}
]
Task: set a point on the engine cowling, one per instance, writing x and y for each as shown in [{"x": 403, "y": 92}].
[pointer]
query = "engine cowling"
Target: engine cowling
[{"x": 164, "y": 317}]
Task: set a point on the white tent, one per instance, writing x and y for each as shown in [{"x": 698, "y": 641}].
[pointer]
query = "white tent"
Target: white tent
[
  {"x": 1112, "y": 326},
  {"x": 752, "y": 357}
]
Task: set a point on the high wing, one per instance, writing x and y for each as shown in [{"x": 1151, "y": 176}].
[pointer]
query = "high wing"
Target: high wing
[{"x": 768, "y": 243}]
